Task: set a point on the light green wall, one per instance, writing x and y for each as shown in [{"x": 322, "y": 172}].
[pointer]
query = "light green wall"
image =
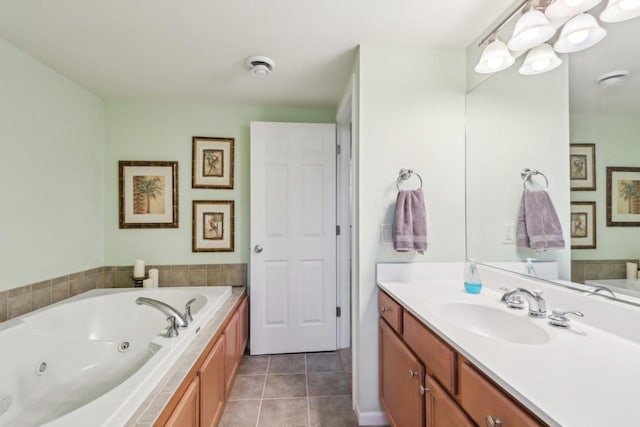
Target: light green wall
[
  {"x": 142, "y": 131},
  {"x": 51, "y": 173},
  {"x": 411, "y": 115},
  {"x": 616, "y": 139}
]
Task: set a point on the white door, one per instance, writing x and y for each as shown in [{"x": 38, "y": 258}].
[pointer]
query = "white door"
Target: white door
[{"x": 293, "y": 237}]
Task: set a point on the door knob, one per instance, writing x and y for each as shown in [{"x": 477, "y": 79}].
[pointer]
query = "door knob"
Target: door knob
[{"x": 257, "y": 249}]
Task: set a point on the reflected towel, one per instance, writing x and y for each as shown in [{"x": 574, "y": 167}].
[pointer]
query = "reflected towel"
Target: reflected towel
[
  {"x": 410, "y": 222},
  {"x": 538, "y": 223}
]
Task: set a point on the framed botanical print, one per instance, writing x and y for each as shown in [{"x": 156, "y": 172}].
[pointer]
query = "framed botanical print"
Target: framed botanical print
[
  {"x": 583, "y": 225},
  {"x": 212, "y": 162},
  {"x": 582, "y": 167},
  {"x": 213, "y": 226},
  {"x": 148, "y": 194},
  {"x": 623, "y": 196}
]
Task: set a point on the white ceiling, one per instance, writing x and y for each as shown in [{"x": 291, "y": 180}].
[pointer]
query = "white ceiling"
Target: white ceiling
[{"x": 194, "y": 50}]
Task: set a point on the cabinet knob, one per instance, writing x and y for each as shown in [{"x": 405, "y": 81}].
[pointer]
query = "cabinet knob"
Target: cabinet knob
[
  {"x": 384, "y": 309},
  {"x": 493, "y": 423},
  {"x": 423, "y": 389},
  {"x": 412, "y": 373}
]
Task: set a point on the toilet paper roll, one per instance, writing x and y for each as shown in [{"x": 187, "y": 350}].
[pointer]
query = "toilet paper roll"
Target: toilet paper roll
[
  {"x": 632, "y": 271},
  {"x": 154, "y": 275}
]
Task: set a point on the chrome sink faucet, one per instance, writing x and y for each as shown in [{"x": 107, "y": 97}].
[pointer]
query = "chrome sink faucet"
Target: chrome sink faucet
[
  {"x": 180, "y": 319},
  {"x": 537, "y": 304}
]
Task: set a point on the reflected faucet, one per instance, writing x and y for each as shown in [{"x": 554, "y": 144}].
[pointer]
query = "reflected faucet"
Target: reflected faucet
[
  {"x": 596, "y": 289},
  {"x": 537, "y": 304},
  {"x": 180, "y": 319}
]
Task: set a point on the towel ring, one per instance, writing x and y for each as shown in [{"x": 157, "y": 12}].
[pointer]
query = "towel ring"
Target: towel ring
[
  {"x": 404, "y": 175},
  {"x": 526, "y": 175}
]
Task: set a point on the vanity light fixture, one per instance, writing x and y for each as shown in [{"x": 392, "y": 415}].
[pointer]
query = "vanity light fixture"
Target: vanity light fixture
[
  {"x": 531, "y": 30},
  {"x": 579, "y": 33},
  {"x": 565, "y": 9},
  {"x": 495, "y": 57},
  {"x": 620, "y": 10},
  {"x": 539, "y": 60}
]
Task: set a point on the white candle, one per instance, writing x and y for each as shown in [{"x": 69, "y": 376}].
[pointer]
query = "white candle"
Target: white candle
[
  {"x": 153, "y": 275},
  {"x": 147, "y": 283},
  {"x": 138, "y": 268},
  {"x": 632, "y": 271}
]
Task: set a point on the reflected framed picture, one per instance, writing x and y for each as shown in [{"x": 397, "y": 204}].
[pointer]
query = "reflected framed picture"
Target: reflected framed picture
[
  {"x": 583, "y": 225},
  {"x": 212, "y": 162},
  {"x": 213, "y": 226},
  {"x": 582, "y": 167},
  {"x": 623, "y": 196},
  {"x": 148, "y": 194}
]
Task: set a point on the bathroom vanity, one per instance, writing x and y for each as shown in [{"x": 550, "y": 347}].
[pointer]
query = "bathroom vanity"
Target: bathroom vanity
[{"x": 449, "y": 358}]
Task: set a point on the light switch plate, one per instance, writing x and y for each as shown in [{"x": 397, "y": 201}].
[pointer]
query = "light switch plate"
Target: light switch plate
[
  {"x": 385, "y": 233},
  {"x": 508, "y": 234}
]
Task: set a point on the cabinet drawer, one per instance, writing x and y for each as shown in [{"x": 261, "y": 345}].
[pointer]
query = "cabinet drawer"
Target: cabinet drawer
[
  {"x": 482, "y": 399},
  {"x": 390, "y": 311},
  {"x": 439, "y": 359}
]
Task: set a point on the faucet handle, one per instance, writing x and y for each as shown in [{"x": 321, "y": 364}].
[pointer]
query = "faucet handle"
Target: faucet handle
[
  {"x": 559, "y": 317},
  {"x": 172, "y": 330},
  {"x": 537, "y": 292},
  {"x": 187, "y": 313}
]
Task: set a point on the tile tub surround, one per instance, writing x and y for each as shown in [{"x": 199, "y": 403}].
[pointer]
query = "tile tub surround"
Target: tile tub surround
[
  {"x": 18, "y": 301},
  {"x": 309, "y": 389}
]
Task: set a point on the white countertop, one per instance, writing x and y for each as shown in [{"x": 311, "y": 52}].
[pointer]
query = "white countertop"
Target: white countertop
[{"x": 583, "y": 376}]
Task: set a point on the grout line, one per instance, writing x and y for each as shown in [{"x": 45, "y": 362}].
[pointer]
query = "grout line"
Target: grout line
[
  {"x": 306, "y": 377},
  {"x": 264, "y": 386}
]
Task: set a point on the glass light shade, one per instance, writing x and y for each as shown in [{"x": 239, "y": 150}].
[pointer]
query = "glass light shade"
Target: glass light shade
[
  {"x": 531, "y": 30},
  {"x": 540, "y": 60},
  {"x": 564, "y": 9},
  {"x": 495, "y": 57},
  {"x": 620, "y": 10},
  {"x": 579, "y": 33}
]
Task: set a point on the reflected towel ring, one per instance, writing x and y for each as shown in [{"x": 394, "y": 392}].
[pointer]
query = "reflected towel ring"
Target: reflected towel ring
[
  {"x": 526, "y": 175},
  {"x": 404, "y": 175}
]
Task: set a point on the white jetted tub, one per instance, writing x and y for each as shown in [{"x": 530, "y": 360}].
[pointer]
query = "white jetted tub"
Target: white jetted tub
[{"x": 91, "y": 360}]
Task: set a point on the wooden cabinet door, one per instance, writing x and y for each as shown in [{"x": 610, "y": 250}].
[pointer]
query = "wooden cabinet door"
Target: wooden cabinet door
[
  {"x": 186, "y": 413},
  {"x": 231, "y": 359},
  {"x": 212, "y": 382},
  {"x": 243, "y": 328},
  {"x": 401, "y": 376},
  {"x": 442, "y": 411}
]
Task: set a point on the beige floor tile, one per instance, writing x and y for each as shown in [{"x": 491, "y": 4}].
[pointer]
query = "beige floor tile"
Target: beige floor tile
[
  {"x": 285, "y": 385},
  {"x": 328, "y": 384},
  {"x": 247, "y": 387},
  {"x": 240, "y": 413},
  {"x": 333, "y": 411},
  {"x": 323, "y": 362},
  {"x": 287, "y": 364},
  {"x": 284, "y": 413},
  {"x": 253, "y": 365}
]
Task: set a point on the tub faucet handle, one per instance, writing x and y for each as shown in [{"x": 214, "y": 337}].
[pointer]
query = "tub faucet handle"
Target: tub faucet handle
[
  {"x": 172, "y": 330},
  {"x": 187, "y": 312}
]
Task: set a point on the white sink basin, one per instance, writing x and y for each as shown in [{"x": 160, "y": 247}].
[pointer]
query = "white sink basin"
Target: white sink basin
[{"x": 494, "y": 323}]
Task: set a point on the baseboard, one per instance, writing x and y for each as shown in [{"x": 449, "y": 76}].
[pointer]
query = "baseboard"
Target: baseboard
[{"x": 371, "y": 418}]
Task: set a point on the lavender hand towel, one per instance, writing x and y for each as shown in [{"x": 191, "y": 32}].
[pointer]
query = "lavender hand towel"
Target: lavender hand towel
[
  {"x": 410, "y": 222},
  {"x": 538, "y": 223}
]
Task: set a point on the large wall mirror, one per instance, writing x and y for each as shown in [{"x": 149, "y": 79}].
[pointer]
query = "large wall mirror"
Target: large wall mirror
[{"x": 552, "y": 123}]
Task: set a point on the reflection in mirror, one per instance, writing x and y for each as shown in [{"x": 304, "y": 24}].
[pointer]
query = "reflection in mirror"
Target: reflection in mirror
[{"x": 516, "y": 122}]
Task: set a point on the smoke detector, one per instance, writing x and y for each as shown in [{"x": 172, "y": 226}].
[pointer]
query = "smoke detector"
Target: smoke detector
[
  {"x": 260, "y": 66},
  {"x": 613, "y": 78}
]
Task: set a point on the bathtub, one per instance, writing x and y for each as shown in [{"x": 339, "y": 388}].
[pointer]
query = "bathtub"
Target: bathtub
[{"x": 91, "y": 360}]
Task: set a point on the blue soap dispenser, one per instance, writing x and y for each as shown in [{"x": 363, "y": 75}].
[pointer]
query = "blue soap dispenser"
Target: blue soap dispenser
[{"x": 472, "y": 282}]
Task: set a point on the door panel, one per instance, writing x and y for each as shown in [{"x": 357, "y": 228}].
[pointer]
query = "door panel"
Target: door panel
[{"x": 293, "y": 221}]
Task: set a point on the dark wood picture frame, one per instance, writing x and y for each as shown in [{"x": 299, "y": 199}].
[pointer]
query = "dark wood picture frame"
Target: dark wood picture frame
[
  {"x": 213, "y": 226},
  {"x": 137, "y": 194},
  {"x": 583, "y": 225},
  {"x": 627, "y": 190},
  {"x": 212, "y": 162},
  {"x": 582, "y": 167}
]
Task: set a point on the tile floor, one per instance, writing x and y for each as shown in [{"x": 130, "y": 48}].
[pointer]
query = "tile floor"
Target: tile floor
[{"x": 312, "y": 389}]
